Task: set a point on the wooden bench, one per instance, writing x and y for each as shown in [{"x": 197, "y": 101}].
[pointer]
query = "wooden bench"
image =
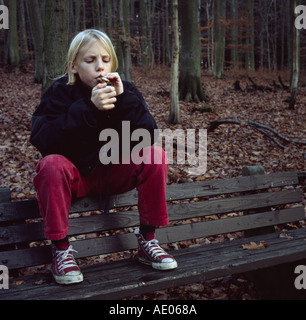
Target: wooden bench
[{"x": 198, "y": 210}]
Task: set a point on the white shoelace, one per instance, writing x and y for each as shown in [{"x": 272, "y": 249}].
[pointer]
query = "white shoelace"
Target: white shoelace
[
  {"x": 61, "y": 256},
  {"x": 155, "y": 249}
]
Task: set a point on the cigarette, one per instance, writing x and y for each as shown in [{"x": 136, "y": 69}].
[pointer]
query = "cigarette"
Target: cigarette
[{"x": 106, "y": 80}]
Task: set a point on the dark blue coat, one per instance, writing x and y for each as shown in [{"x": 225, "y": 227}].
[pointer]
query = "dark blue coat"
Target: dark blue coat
[{"x": 67, "y": 123}]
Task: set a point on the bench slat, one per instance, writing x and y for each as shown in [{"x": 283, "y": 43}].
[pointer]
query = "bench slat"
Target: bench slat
[
  {"x": 5, "y": 194},
  {"x": 227, "y": 186},
  {"x": 230, "y": 225},
  {"x": 97, "y": 223},
  {"x": 20, "y": 210},
  {"x": 41, "y": 255},
  {"x": 198, "y": 189}
]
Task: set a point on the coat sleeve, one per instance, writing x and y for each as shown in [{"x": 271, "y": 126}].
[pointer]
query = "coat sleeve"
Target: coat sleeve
[{"x": 61, "y": 123}]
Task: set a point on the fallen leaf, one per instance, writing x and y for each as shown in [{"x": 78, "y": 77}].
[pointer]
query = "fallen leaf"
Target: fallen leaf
[
  {"x": 254, "y": 246},
  {"x": 39, "y": 282},
  {"x": 18, "y": 282},
  {"x": 285, "y": 235}
]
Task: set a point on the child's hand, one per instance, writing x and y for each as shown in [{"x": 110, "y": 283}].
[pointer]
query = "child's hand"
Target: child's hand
[
  {"x": 103, "y": 96},
  {"x": 116, "y": 82}
]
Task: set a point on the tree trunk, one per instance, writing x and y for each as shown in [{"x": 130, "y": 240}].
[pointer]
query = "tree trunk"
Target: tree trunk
[
  {"x": 13, "y": 49},
  {"x": 126, "y": 41},
  {"x": 84, "y": 14},
  {"x": 190, "y": 56},
  {"x": 143, "y": 35},
  {"x": 210, "y": 41},
  {"x": 266, "y": 5},
  {"x": 77, "y": 21},
  {"x": 55, "y": 40},
  {"x": 219, "y": 34},
  {"x": 108, "y": 9},
  {"x": 250, "y": 61},
  {"x": 123, "y": 48},
  {"x": 174, "y": 115},
  {"x": 284, "y": 20},
  {"x": 295, "y": 65},
  {"x": 234, "y": 34},
  {"x": 166, "y": 52},
  {"x": 150, "y": 14},
  {"x": 38, "y": 39},
  {"x": 274, "y": 46},
  {"x": 24, "y": 51},
  {"x": 96, "y": 14}
]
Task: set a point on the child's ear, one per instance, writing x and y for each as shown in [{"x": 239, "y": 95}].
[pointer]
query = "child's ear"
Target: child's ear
[{"x": 72, "y": 67}]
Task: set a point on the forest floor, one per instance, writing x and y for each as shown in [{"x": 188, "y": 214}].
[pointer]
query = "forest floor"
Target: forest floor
[{"x": 230, "y": 147}]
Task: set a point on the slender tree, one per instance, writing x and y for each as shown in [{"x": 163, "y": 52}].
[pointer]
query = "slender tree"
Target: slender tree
[
  {"x": 13, "y": 49},
  {"x": 250, "y": 61},
  {"x": 95, "y": 6},
  {"x": 123, "y": 39},
  {"x": 234, "y": 34},
  {"x": 38, "y": 38},
  {"x": 219, "y": 35},
  {"x": 24, "y": 51},
  {"x": 144, "y": 47},
  {"x": 210, "y": 36},
  {"x": 165, "y": 32},
  {"x": 295, "y": 65},
  {"x": 174, "y": 115},
  {"x": 109, "y": 21}
]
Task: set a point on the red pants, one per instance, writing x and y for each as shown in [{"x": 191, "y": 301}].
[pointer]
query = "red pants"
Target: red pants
[{"x": 58, "y": 180}]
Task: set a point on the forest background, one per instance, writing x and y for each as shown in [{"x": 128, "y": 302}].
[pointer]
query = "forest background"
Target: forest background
[
  {"x": 216, "y": 35},
  {"x": 195, "y": 61}
]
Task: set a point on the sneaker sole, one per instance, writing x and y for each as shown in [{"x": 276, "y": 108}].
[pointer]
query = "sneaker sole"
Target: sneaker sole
[
  {"x": 159, "y": 266},
  {"x": 68, "y": 279}
]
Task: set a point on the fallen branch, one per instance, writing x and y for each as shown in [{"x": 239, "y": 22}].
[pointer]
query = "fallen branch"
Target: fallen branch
[
  {"x": 259, "y": 87},
  {"x": 259, "y": 127},
  {"x": 270, "y": 137}
]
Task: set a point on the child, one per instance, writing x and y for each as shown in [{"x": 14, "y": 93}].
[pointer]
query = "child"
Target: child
[{"x": 66, "y": 128}]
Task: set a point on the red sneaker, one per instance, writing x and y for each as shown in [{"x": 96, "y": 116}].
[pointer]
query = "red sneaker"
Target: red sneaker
[
  {"x": 64, "y": 268},
  {"x": 149, "y": 252}
]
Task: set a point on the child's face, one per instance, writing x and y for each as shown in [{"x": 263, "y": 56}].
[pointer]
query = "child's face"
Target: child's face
[{"x": 92, "y": 62}]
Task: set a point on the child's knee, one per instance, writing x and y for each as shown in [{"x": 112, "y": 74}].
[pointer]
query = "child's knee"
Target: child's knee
[
  {"x": 155, "y": 155},
  {"x": 52, "y": 165}
]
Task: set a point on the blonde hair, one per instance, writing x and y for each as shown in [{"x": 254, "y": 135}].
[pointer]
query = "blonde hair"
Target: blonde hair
[{"x": 85, "y": 38}]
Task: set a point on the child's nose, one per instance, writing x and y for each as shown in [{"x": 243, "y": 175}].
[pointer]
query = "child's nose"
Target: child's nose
[{"x": 100, "y": 65}]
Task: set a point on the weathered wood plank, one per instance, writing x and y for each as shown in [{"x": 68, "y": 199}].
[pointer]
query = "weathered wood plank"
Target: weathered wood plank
[
  {"x": 28, "y": 257},
  {"x": 125, "y": 278},
  {"x": 29, "y": 209},
  {"x": 233, "y": 204},
  {"x": 229, "y": 225},
  {"x": 227, "y": 186},
  {"x": 5, "y": 194},
  {"x": 19, "y": 210},
  {"x": 198, "y": 189},
  {"x": 97, "y": 223}
]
